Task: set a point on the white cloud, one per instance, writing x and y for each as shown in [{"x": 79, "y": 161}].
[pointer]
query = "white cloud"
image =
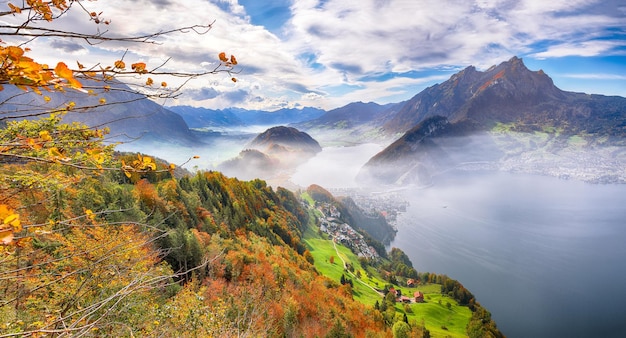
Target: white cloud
[
  {"x": 586, "y": 48},
  {"x": 596, "y": 76},
  {"x": 339, "y": 42}
]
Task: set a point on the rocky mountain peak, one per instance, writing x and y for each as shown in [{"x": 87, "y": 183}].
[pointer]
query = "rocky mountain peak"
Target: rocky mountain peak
[{"x": 470, "y": 93}]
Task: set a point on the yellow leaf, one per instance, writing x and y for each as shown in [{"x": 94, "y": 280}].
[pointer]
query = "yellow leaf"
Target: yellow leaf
[
  {"x": 120, "y": 64},
  {"x": 80, "y": 66},
  {"x": 102, "y": 100},
  {"x": 54, "y": 152},
  {"x": 149, "y": 81},
  {"x": 45, "y": 135},
  {"x": 14, "y": 221},
  {"x": 46, "y": 98},
  {"x": 90, "y": 214},
  {"x": 62, "y": 71}
]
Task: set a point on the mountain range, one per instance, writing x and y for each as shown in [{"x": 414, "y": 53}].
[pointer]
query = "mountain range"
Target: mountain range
[
  {"x": 506, "y": 118},
  {"x": 129, "y": 116},
  {"x": 199, "y": 117}
]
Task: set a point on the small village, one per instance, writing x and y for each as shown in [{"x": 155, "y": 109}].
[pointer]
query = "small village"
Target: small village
[
  {"x": 343, "y": 233},
  {"x": 388, "y": 203}
]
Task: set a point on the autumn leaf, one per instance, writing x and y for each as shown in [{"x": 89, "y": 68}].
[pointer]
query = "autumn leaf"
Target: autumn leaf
[
  {"x": 119, "y": 64},
  {"x": 62, "y": 71},
  {"x": 6, "y": 236},
  {"x": 163, "y": 84},
  {"x": 14, "y": 8},
  {"x": 102, "y": 100},
  {"x": 233, "y": 60},
  {"x": 148, "y": 164},
  {"x": 149, "y": 81},
  {"x": 45, "y": 136},
  {"x": 9, "y": 224},
  {"x": 222, "y": 57},
  {"x": 139, "y": 67},
  {"x": 90, "y": 214},
  {"x": 233, "y": 79}
]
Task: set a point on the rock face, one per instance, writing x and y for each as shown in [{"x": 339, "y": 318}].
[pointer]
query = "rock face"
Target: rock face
[
  {"x": 506, "y": 117},
  {"x": 506, "y": 93}
]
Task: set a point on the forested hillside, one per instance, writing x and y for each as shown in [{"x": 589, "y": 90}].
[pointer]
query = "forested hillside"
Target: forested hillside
[
  {"x": 100, "y": 243},
  {"x": 132, "y": 251}
]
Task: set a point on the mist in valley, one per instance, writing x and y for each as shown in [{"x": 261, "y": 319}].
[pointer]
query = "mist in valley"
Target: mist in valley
[
  {"x": 213, "y": 147},
  {"x": 335, "y": 167},
  {"x": 541, "y": 253}
]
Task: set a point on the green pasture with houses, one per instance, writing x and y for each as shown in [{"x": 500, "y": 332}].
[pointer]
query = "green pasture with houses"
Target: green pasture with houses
[{"x": 441, "y": 319}]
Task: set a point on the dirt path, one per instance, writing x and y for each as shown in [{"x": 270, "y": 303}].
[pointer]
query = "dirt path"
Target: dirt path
[{"x": 345, "y": 267}]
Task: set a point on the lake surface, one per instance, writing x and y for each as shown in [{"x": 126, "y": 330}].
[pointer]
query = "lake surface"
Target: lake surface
[{"x": 546, "y": 257}]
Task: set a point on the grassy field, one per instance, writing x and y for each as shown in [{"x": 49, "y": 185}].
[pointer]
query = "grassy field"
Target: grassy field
[
  {"x": 322, "y": 250},
  {"x": 442, "y": 320},
  {"x": 438, "y": 318}
]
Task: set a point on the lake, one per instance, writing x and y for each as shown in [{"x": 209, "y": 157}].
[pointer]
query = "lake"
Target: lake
[{"x": 545, "y": 256}]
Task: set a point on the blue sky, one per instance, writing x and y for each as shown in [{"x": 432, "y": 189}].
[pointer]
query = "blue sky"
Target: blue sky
[{"x": 327, "y": 53}]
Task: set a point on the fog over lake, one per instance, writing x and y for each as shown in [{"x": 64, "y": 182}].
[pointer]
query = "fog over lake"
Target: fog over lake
[
  {"x": 544, "y": 255},
  {"x": 335, "y": 167}
]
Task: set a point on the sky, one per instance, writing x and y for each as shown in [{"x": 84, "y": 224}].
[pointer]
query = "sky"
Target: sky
[{"x": 328, "y": 53}]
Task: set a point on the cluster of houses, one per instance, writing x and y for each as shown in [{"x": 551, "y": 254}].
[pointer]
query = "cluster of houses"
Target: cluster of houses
[
  {"x": 343, "y": 233},
  {"x": 388, "y": 204},
  {"x": 418, "y": 296}
]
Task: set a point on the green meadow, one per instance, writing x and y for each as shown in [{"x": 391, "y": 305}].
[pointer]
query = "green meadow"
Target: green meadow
[{"x": 441, "y": 315}]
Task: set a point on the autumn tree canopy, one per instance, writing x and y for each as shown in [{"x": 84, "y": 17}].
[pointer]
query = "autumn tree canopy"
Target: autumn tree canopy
[
  {"x": 72, "y": 259},
  {"x": 29, "y": 20}
]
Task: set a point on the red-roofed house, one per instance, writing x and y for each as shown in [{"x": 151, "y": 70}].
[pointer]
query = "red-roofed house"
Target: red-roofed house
[{"x": 419, "y": 297}]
